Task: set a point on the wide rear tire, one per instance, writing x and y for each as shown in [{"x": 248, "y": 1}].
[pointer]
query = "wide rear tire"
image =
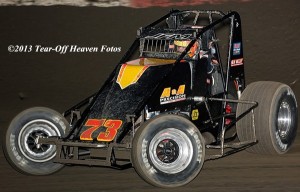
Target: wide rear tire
[
  {"x": 21, "y": 148},
  {"x": 275, "y": 117},
  {"x": 168, "y": 151}
]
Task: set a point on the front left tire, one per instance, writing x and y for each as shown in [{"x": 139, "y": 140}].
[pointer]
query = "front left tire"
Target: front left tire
[{"x": 168, "y": 151}]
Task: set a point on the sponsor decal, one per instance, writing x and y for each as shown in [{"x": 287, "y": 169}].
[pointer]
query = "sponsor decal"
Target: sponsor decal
[
  {"x": 109, "y": 134},
  {"x": 172, "y": 95},
  {"x": 130, "y": 74},
  {"x": 170, "y": 36},
  {"x": 236, "y": 49},
  {"x": 195, "y": 114},
  {"x": 237, "y": 62}
]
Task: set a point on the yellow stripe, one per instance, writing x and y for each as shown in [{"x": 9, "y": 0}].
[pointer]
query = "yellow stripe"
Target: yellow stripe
[{"x": 130, "y": 74}]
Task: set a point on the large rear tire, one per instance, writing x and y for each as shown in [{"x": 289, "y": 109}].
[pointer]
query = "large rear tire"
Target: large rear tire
[
  {"x": 168, "y": 151},
  {"x": 21, "y": 148},
  {"x": 275, "y": 117}
]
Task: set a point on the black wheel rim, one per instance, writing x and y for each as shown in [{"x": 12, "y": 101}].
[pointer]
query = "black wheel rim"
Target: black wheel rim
[{"x": 167, "y": 150}]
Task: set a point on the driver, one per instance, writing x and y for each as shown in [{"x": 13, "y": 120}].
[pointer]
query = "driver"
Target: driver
[{"x": 180, "y": 45}]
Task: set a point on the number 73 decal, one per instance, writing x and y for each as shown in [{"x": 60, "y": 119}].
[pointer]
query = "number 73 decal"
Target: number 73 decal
[{"x": 111, "y": 131}]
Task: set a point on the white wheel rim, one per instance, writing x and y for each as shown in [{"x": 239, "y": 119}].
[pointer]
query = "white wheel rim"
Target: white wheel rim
[
  {"x": 177, "y": 156},
  {"x": 284, "y": 119},
  {"x": 28, "y": 137}
]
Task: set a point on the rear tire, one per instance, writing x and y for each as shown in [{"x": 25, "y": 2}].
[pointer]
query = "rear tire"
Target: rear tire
[
  {"x": 168, "y": 151},
  {"x": 20, "y": 147},
  {"x": 275, "y": 117}
]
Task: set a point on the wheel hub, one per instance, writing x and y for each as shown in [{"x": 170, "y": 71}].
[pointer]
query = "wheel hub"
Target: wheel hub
[
  {"x": 170, "y": 150},
  {"x": 29, "y": 136},
  {"x": 284, "y": 120},
  {"x": 32, "y": 141},
  {"x": 167, "y": 151}
]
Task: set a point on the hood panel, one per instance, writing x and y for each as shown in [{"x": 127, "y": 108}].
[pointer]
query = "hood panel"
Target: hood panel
[{"x": 116, "y": 100}]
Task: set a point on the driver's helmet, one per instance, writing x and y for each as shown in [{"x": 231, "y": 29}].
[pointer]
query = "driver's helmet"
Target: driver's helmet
[{"x": 180, "y": 46}]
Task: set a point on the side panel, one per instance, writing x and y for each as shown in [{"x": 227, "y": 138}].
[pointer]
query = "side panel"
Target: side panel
[{"x": 174, "y": 90}]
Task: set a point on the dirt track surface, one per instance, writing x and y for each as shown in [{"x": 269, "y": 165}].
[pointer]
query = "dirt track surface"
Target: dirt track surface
[
  {"x": 239, "y": 172},
  {"x": 271, "y": 38}
]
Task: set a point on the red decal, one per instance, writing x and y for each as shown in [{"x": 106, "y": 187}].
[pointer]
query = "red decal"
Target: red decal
[
  {"x": 111, "y": 131},
  {"x": 237, "y": 62},
  {"x": 95, "y": 124},
  {"x": 121, "y": 72},
  {"x": 112, "y": 127}
]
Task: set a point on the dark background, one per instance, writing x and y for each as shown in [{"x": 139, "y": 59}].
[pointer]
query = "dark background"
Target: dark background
[{"x": 271, "y": 44}]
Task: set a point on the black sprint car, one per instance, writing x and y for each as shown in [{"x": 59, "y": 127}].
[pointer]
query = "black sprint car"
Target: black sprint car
[{"x": 178, "y": 92}]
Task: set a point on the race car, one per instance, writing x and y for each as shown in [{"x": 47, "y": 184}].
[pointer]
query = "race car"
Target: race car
[{"x": 177, "y": 93}]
